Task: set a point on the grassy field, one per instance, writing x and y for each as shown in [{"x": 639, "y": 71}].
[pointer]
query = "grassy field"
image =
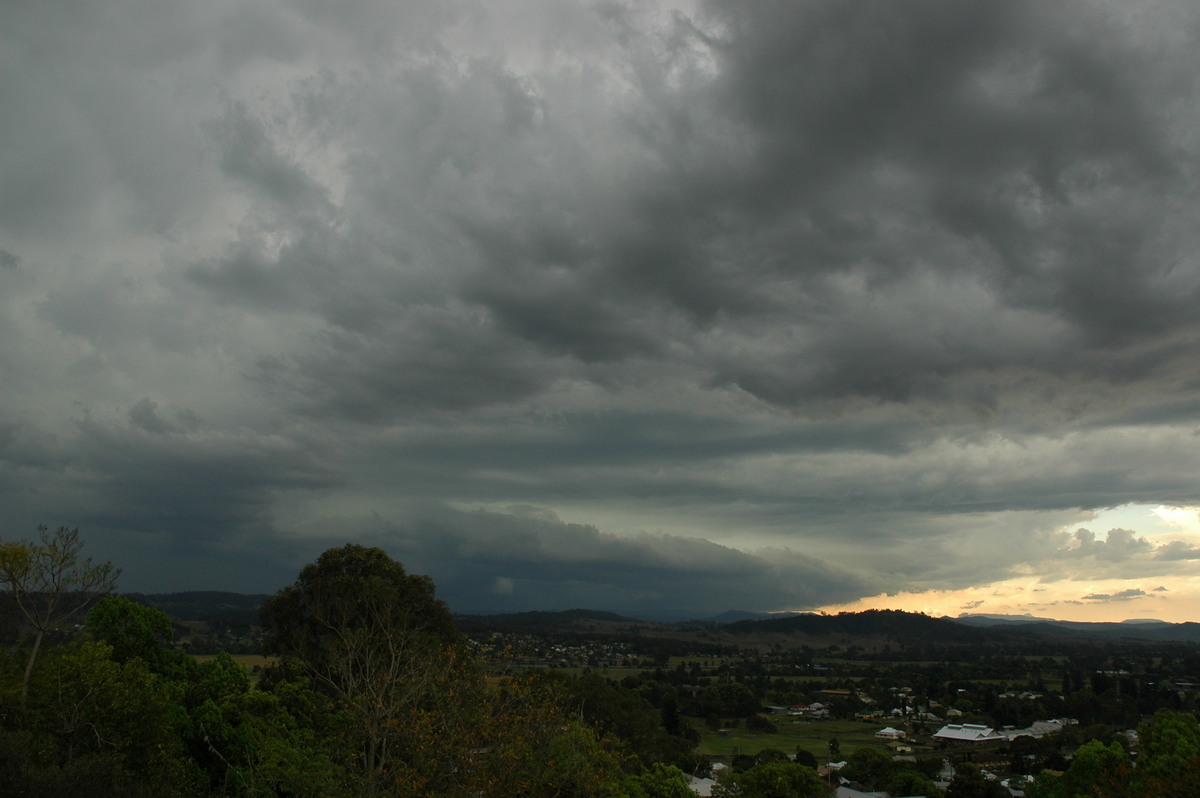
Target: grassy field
[
  {"x": 248, "y": 661},
  {"x": 813, "y": 736}
]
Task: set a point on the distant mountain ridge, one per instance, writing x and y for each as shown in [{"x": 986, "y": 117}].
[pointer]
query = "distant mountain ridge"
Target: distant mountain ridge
[
  {"x": 872, "y": 624},
  {"x": 733, "y": 625},
  {"x": 196, "y": 605},
  {"x": 1150, "y": 630}
]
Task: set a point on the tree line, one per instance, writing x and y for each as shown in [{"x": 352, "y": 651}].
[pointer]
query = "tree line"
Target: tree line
[{"x": 372, "y": 693}]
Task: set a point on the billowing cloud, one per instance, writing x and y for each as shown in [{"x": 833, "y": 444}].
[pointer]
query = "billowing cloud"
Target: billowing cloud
[
  {"x": 755, "y": 305},
  {"x": 1118, "y": 545},
  {"x": 1178, "y": 550},
  {"x": 1124, "y": 595},
  {"x": 1121, "y": 554}
]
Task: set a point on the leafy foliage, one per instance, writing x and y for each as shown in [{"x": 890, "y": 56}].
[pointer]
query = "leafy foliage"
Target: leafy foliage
[
  {"x": 373, "y": 638},
  {"x": 969, "y": 782},
  {"x": 772, "y": 780},
  {"x": 627, "y": 718},
  {"x": 132, "y": 629},
  {"x": 1168, "y": 764},
  {"x": 97, "y": 726},
  {"x": 49, "y": 581},
  {"x": 1170, "y": 754}
]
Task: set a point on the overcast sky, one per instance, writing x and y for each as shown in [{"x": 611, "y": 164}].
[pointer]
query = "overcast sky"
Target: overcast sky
[{"x": 754, "y": 305}]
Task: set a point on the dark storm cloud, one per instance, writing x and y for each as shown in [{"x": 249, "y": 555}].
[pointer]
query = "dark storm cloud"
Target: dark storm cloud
[
  {"x": 145, "y": 416},
  {"x": 792, "y": 223},
  {"x": 156, "y": 476},
  {"x": 248, "y": 154},
  {"x": 991, "y": 135},
  {"x": 449, "y": 361},
  {"x": 867, "y": 283},
  {"x": 493, "y": 561}
]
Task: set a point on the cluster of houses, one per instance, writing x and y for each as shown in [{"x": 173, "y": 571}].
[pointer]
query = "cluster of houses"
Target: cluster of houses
[
  {"x": 534, "y": 651},
  {"x": 814, "y": 711}
]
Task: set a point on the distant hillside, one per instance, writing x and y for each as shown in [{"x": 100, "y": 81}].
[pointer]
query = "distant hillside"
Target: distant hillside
[
  {"x": 1148, "y": 630},
  {"x": 869, "y": 625},
  {"x": 539, "y": 622},
  {"x": 984, "y": 619},
  {"x": 731, "y": 628},
  {"x": 204, "y": 605},
  {"x": 733, "y": 616}
]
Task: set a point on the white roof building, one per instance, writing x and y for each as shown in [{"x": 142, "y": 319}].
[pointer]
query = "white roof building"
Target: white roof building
[
  {"x": 849, "y": 792},
  {"x": 968, "y": 733}
]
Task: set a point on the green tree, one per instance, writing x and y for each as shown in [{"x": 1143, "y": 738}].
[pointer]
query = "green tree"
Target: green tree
[
  {"x": 1169, "y": 761},
  {"x": 132, "y": 629},
  {"x": 770, "y": 755},
  {"x": 658, "y": 781},
  {"x": 524, "y": 737},
  {"x": 1097, "y": 771},
  {"x": 907, "y": 781},
  {"x": 969, "y": 782},
  {"x": 622, "y": 714},
  {"x": 757, "y": 723},
  {"x": 806, "y": 758},
  {"x": 729, "y": 699},
  {"x": 259, "y": 749},
  {"x": 869, "y": 766},
  {"x": 49, "y": 581},
  {"x": 98, "y": 727},
  {"x": 216, "y": 679},
  {"x": 772, "y": 780},
  {"x": 370, "y": 635}
]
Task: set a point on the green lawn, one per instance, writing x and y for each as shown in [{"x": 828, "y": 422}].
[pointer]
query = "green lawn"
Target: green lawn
[
  {"x": 812, "y": 735},
  {"x": 248, "y": 661}
]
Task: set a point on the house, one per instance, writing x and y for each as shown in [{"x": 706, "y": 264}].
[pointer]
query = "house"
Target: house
[
  {"x": 888, "y": 733},
  {"x": 1040, "y": 728},
  {"x": 968, "y": 733}
]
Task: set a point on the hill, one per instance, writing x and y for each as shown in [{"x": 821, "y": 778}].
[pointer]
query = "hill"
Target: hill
[
  {"x": 1144, "y": 630},
  {"x": 542, "y": 622},
  {"x": 867, "y": 625},
  {"x": 204, "y": 605},
  {"x": 868, "y": 628}
]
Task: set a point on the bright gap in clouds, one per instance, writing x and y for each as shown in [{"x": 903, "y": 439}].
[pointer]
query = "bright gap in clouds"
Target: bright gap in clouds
[
  {"x": 1046, "y": 593},
  {"x": 1148, "y": 520}
]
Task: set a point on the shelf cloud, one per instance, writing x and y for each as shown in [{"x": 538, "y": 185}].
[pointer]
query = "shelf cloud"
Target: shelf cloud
[{"x": 639, "y": 306}]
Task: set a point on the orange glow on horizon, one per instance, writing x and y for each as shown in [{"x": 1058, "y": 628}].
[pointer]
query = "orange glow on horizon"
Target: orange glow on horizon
[{"x": 1172, "y": 600}]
